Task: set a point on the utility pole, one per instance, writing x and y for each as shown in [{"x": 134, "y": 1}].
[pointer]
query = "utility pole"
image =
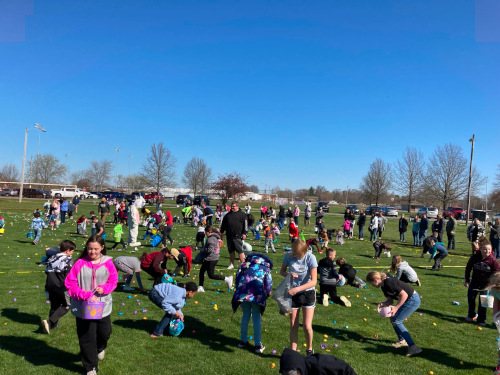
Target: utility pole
[
  {"x": 24, "y": 161},
  {"x": 473, "y": 139}
]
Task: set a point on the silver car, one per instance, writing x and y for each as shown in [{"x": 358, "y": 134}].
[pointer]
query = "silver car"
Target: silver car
[
  {"x": 391, "y": 211},
  {"x": 432, "y": 212}
]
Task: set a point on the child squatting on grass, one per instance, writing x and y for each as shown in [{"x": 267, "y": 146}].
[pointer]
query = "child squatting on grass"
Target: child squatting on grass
[
  {"x": 408, "y": 302},
  {"x": 171, "y": 298}
]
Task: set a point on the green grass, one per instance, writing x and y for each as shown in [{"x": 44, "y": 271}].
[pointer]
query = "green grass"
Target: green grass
[{"x": 208, "y": 346}]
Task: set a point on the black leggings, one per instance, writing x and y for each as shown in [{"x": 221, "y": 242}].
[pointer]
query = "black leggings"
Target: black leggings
[
  {"x": 93, "y": 336},
  {"x": 166, "y": 234},
  {"x": 209, "y": 267}
]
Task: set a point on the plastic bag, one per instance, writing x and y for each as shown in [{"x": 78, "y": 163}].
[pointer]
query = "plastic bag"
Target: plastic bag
[
  {"x": 198, "y": 259},
  {"x": 282, "y": 297}
]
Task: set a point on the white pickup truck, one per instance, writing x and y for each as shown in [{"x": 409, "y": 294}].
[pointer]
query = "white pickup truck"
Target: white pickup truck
[{"x": 68, "y": 193}]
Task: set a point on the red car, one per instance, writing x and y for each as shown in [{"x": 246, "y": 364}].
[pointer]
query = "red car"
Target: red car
[{"x": 457, "y": 212}]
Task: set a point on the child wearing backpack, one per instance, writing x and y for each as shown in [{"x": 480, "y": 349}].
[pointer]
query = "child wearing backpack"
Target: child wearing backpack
[
  {"x": 253, "y": 286},
  {"x": 57, "y": 269}
]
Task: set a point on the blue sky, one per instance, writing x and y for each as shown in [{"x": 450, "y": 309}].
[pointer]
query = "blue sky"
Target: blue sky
[{"x": 289, "y": 93}]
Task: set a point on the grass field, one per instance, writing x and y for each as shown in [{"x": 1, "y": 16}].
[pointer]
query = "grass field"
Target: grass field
[{"x": 208, "y": 343}]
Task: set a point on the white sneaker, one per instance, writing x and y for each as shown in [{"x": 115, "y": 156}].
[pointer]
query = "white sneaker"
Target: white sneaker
[
  {"x": 92, "y": 372},
  {"x": 325, "y": 300},
  {"x": 347, "y": 303},
  {"x": 201, "y": 290},
  {"x": 229, "y": 282},
  {"x": 100, "y": 355},
  {"x": 231, "y": 266},
  {"x": 127, "y": 288}
]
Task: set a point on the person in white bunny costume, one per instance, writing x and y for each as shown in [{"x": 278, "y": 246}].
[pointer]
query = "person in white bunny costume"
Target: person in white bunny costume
[{"x": 134, "y": 218}]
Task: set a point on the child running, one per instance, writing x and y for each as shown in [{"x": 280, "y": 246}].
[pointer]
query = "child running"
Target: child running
[
  {"x": 118, "y": 233},
  {"x": 210, "y": 252},
  {"x": 254, "y": 285},
  {"x": 37, "y": 225},
  {"x": 170, "y": 298},
  {"x": 408, "y": 301},
  {"x": 57, "y": 269}
]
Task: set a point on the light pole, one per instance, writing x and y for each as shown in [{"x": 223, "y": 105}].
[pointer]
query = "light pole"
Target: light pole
[
  {"x": 117, "y": 154},
  {"x": 347, "y": 195},
  {"x": 24, "y": 162},
  {"x": 40, "y": 129},
  {"x": 129, "y": 161},
  {"x": 473, "y": 139}
]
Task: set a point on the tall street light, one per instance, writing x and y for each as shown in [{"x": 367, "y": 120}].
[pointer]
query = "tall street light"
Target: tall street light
[
  {"x": 40, "y": 129},
  {"x": 472, "y": 140},
  {"x": 24, "y": 162},
  {"x": 117, "y": 154}
]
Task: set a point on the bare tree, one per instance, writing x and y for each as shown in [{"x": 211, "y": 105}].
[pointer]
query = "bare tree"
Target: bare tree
[
  {"x": 447, "y": 176},
  {"x": 410, "y": 172},
  {"x": 100, "y": 173},
  {"x": 47, "y": 169},
  {"x": 136, "y": 182},
  {"x": 253, "y": 189},
  {"x": 159, "y": 167},
  {"x": 377, "y": 181},
  {"x": 81, "y": 179},
  {"x": 197, "y": 176},
  {"x": 231, "y": 185},
  {"x": 9, "y": 172}
]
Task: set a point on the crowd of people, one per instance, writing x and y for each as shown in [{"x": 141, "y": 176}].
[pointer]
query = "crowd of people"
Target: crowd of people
[{"x": 94, "y": 276}]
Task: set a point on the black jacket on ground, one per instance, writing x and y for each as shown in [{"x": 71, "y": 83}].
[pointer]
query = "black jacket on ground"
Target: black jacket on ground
[{"x": 315, "y": 364}]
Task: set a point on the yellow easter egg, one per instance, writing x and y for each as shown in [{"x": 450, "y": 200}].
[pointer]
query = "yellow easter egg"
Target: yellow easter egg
[{"x": 272, "y": 365}]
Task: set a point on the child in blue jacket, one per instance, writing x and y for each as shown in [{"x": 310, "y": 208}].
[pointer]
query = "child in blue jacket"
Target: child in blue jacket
[{"x": 171, "y": 298}]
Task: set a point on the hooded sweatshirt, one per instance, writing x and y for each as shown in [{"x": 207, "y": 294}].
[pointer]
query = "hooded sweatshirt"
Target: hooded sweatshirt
[
  {"x": 169, "y": 220},
  {"x": 174, "y": 297},
  {"x": 405, "y": 268},
  {"x": 85, "y": 276},
  {"x": 211, "y": 249}
]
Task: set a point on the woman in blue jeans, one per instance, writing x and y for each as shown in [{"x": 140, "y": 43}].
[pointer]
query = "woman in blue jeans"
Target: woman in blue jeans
[
  {"x": 408, "y": 301},
  {"x": 171, "y": 298}
]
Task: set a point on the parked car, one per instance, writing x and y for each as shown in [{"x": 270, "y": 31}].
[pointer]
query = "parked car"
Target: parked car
[
  {"x": 112, "y": 195},
  {"x": 431, "y": 212},
  {"x": 198, "y": 198},
  {"x": 497, "y": 216},
  {"x": 383, "y": 210},
  {"x": 473, "y": 213},
  {"x": 180, "y": 198},
  {"x": 372, "y": 210},
  {"x": 98, "y": 193},
  {"x": 353, "y": 208},
  {"x": 391, "y": 211},
  {"x": 5, "y": 192},
  {"x": 457, "y": 212},
  {"x": 91, "y": 195},
  {"x": 34, "y": 193},
  {"x": 324, "y": 205}
]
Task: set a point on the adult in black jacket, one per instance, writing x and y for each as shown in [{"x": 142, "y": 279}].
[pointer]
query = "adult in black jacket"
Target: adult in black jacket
[
  {"x": 361, "y": 224},
  {"x": 438, "y": 226},
  {"x": 281, "y": 217},
  {"x": 235, "y": 226},
  {"x": 403, "y": 227},
  {"x": 292, "y": 362}
]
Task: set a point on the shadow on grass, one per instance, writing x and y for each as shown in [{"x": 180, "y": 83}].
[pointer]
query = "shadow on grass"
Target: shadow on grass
[
  {"x": 38, "y": 353},
  {"x": 20, "y": 317},
  {"x": 197, "y": 330},
  {"x": 441, "y": 274},
  {"x": 449, "y": 318}
]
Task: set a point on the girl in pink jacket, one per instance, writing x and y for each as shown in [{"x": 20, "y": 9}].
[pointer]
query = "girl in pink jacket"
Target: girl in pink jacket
[{"x": 92, "y": 278}]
